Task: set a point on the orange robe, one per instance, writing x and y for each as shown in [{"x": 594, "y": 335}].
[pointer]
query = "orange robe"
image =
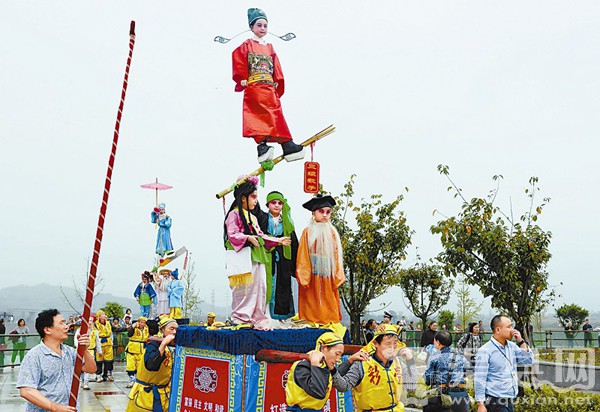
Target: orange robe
[
  {"x": 262, "y": 112},
  {"x": 318, "y": 297}
]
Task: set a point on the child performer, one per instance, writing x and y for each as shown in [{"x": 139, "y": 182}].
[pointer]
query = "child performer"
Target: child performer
[
  {"x": 246, "y": 248},
  {"x": 256, "y": 71}
]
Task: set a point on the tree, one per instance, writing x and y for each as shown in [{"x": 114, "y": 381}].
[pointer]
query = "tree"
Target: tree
[
  {"x": 468, "y": 308},
  {"x": 426, "y": 290},
  {"x": 574, "y": 313},
  {"x": 114, "y": 310},
  {"x": 373, "y": 249},
  {"x": 80, "y": 287},
  {"x": 506, "y": 259},
  {"x": 446, "y": 317},
  {"x": 191, "y": 300}
]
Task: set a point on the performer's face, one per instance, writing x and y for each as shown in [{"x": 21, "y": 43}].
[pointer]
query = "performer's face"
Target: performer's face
[
  {"x": 170, "y": 329},
  {"x": 275, "y": 207},
  {"x": 322, "y": 214},
  {"x": 259, "y": 28},
  {"x": 249, "y": 203},
  {"x": 387, "y": 348},
  {"x": 333, "y": 354},
  {"x": 142, "y": 324}
]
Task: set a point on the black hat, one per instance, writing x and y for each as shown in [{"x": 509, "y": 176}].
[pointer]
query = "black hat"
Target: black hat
[
  {"x": 318, "y": 202},
  {"x": 387, "y": 315}
]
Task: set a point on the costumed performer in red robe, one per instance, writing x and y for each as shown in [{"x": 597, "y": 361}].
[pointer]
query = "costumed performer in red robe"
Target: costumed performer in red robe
[
  {"x": 256, "y": 71},
  {"x": 320, "y": 268},
  {"x": 246, "y": 255}
]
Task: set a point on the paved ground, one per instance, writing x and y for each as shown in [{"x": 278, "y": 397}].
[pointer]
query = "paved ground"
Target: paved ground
[{"x": 105, "y": 396}]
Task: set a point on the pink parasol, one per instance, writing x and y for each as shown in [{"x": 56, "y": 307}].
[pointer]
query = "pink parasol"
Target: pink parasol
[{"x": 156, "y": 186}]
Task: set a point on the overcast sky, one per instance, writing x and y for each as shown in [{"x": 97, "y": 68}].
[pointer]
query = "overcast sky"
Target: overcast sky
[{"x": 507, "y": 88}]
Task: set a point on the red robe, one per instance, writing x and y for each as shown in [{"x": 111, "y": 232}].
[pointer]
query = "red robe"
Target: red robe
[{"x": 262, "y": 113}]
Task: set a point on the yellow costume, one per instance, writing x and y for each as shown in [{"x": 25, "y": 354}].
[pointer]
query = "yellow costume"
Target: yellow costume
[
  {"x": 135, "y": 349},
  {"x": 106, "y": 343},
  {"x": 151, "y": 389},
  {"x": 295, "y": 396}
]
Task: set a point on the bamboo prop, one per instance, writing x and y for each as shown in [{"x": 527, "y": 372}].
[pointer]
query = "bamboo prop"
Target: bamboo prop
[
  {"x": 325, "y": 132},
  {"x": 100, "y": 229}
]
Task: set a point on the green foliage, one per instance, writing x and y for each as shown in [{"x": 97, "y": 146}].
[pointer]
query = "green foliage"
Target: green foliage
[
  {"x": 549, "y": 399},
  {"x": 191, "y": 300},
  {"x": 374, "y": 246},
  {"x": 506, "y": 259},
  {"x": 468, "y": 308},
  {"x": 446, "y": 317},
  {"x": 574, "y": 313},
  {"x": 426, "y": 290},
  {"x": 114, "y": 309}
]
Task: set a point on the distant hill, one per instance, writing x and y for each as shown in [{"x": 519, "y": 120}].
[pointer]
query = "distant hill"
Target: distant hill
[{"x": 26, "y": 301}]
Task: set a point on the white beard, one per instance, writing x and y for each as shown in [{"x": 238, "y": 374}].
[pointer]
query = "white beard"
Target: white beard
[{"x": 323, "y": 239}]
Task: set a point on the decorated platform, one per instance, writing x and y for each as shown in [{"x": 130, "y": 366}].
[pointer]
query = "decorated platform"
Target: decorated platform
[{"x": 218, "y": 371}]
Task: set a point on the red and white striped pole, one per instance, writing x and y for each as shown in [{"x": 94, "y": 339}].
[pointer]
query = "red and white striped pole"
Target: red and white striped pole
[{"x": 98, "y": 244}]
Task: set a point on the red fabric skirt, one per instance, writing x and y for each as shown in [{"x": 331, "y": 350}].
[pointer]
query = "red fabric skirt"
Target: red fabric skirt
[{"x": 262, "y": 114}]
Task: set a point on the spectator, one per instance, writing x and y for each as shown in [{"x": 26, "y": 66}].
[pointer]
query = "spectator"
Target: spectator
[
  {"x": 387, "y": 317},
  {"x": 446, "y": 372},
  {"x": 570, "y": 334},
  {"x": 2, "y": 344},
  {"x": 47, "y": 370},
  {"x": 402, "y": 322},
  {"x": 20, "y": 342},
  {"x": 469, "y": 344},
  {"x": 457, "y": 328},
  {"x": 496, "y": 379},
  {"x": 370, "y": 330},
  {"x": 587, "y": 334},
  {"x": 418, "y": 327},
  {"x": 444, "y": 327},
  {"x": 411, "y": 325},
  {"x": 429, "y": 334},
  {"x": 481, "y": 327}
]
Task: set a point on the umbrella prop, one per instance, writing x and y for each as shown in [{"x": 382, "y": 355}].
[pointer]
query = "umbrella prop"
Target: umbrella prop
[{"x": 156, "y": 186}]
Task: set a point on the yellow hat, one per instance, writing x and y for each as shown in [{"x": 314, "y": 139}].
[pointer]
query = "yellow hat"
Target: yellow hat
[
  {"x": 382, "y": 330},
  {"x": 211, "y": 315},
  {"x": 100, "y": 312},
  {"x": 328, "y": 339},
  {"x": 142, "y": 318},
  {"x": 165, "y": 320}
]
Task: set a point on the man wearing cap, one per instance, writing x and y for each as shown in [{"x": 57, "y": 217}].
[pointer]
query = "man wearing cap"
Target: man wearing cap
[
  {"x": 105, "y": 356},
  {"x": 387, "y": 318},
  {"x": 175, "y": 291},
  {"x": 210, "y": 318},
  {"x": 309, "y": 382},
  {"x": 138, "y": 335},
  {"x": 376, "y": 380},
  {"x": 151, "y": 389},
  {"x": 319, "y": 267},
  {"x": 282, "y": 267}
]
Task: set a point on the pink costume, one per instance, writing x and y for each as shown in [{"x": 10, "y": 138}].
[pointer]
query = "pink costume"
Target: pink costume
[{"x": 249, "y": 301}]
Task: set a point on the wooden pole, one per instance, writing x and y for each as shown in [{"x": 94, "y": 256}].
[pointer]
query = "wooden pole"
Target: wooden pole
[
  {"x": 325, "y": 132},
  {"x": 89, "y": 296}
]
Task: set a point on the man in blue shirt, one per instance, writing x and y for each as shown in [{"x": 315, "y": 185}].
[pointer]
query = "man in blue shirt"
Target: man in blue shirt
[
  {"x": 47, "y": 369},
  {"x": 496, "y": 380}
]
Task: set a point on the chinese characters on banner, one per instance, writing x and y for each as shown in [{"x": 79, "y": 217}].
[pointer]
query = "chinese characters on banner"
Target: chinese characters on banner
[
  {"x": 208, "y": 390},
  {"x": 311, "y": 177}
]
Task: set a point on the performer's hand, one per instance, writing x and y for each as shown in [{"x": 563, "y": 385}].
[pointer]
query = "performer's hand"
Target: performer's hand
[
  {"x": 406, "y": 353},
  {"x": 166, "y": 340},
  {"x": 56, "y": 407},
  {"x": 481, "y": 407},
  {"x": 135, "y": 325},
  {"x": 254, "y": 241},
  {"x": 285, "y": 241},
  {"x": 84, "y": 340},
  {"x": 361, "y": 355},
  {"x": 316, "y": 358},
  {"x": 244, "y": 83}
]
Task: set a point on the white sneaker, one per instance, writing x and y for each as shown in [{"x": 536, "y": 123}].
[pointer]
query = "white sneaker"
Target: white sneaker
[
  {"x": 86, "y": 387},
  {"x": 98, "y": 378}
]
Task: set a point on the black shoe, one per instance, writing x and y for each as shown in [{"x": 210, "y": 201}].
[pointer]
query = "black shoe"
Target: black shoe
[
  {"x": 292, "y": 151},
  {"x": 265, "y": 152}
]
